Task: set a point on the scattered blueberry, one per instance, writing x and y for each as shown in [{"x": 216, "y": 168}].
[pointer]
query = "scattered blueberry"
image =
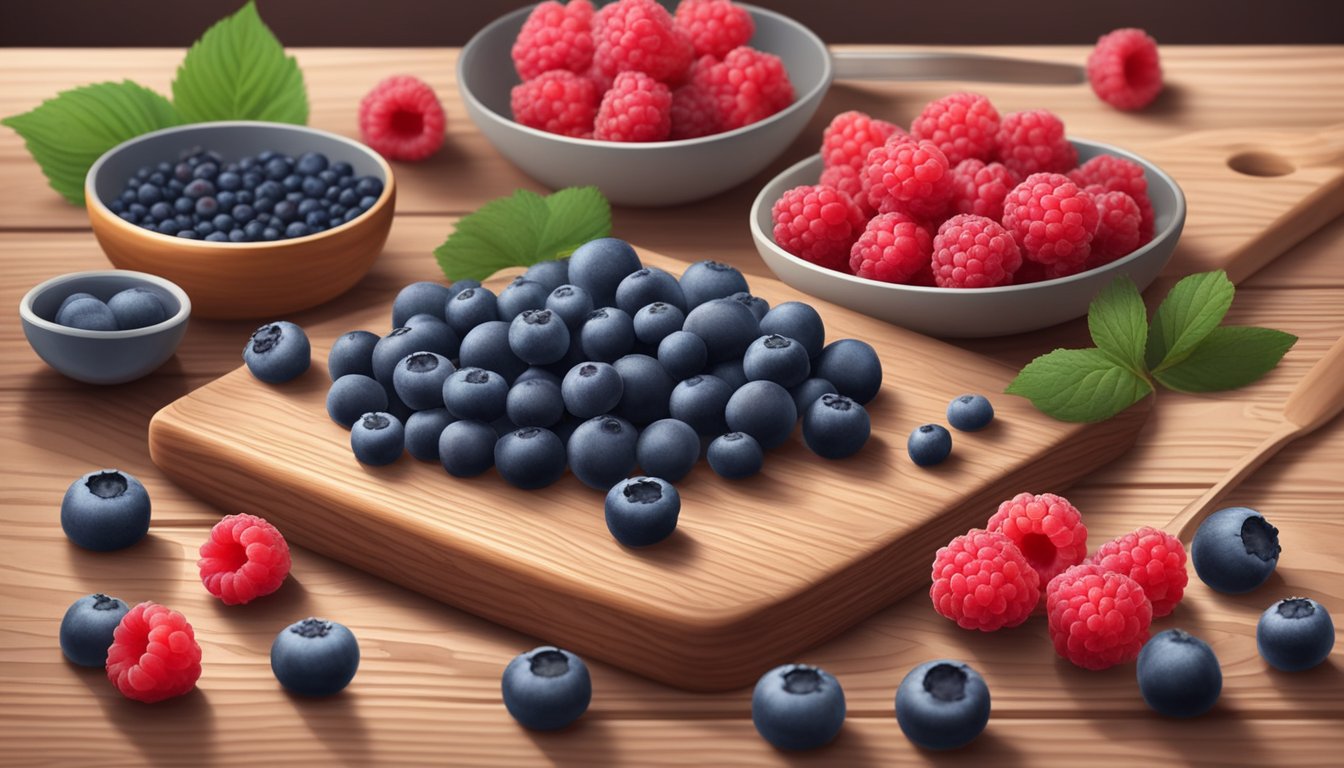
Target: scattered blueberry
[
  {"x": 87, "y": 314},
  {"x": 683, "y": 354},
  {"x": 87, "y": 627},
  {"x": 796, "y": 706},
  {"x": 599, "y": 266},
  {"x": 735, "y": 455},
  {"x": 538, "y": 337},
  {"x": 530, "y": 458},
  {"x": 418, "y": 379},
  {"x": 942, "y": 704},
  {"x": 805, "y": 394},
  {"x": 487, "y": 346},
  {"x": 1178, "y": 674},
  {"x": 607, "y": 334},
  {"x": 423, "y": 430},
  {"x": 278, "y": 352},
  {"x": 475, "y": 393},
  {"x": 645, "y": 389},
  {"x": 646, "y": 286},
  {"x": 591, "y": 389},
  {"x": 929, "y": 444},
  {"x": 1235, "y": 550},
  {"x": 546, "y": 688},
  {"x": 776, "y": 358},
  {"x": 105, "y": 510},
  {"x": 654, "y": 322},
  {"x": 520, "y": 295},
  {"x": 137, "y": 308},
  {"x": 970, "y": 413},
  {"x": 551, "y": 274},
  {"x": 835, "y": 426},
  {"x": 700, "y": 402},
  {"x": 642, "y": 511},
  {"x": 707, "y": 280},
  {"x": 315, "y": 657},
  {"x": 419, "y": 298},
  {"x": 352, "y": 396},
  {"x": 470, "y": 308},
  {"x": 1295, "y": 634},
  {"x": 572, "y": 304},
  {"x": 726, "y": 326},
  {"x": 534, "y": 402},
  {"x": 764, "y": 410},
  {"x": 668, "y": 448},
  {"x": 852, "y": 366},
  {"x": 758, "y": 306},
  {"x": 467, "y": 448},
  {"x": 377, "y": 438},
  {"x": 602, "y": 451},
  {"x": 352, "y": 353}
]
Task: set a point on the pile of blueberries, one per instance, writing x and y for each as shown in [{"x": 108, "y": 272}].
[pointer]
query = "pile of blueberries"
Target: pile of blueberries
[
  {"x": 125, "y": 310},
  {"x": 268, "y": 197}
]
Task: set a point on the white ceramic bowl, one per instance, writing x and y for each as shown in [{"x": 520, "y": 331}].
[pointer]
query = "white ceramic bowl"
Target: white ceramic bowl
[{"x": 981, "y": 312}]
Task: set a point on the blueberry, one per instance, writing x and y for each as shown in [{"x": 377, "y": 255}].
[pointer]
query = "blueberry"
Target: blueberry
[
  {"x": 423, "y": 430},
  {"x": 538, "y": 337},
  {"x": 467, "y": 448},
  {"x": 592, "y": 389},
  {"x": 348, "y": 197},
  {"x": 206, "y": 171},
  {"x": 87, "y": 627},
  {"x": 535, "y": 373},
  {"x": 607, "y": 334},
  {"x": 217, "y": 237},
  {"x": 645, "y": 390},
  {"x": 470, "y": 308},
  {"x": 68, "y": 300},
  {"x": 546, "y": 688},
  {"x": 682, "y": 354},
  {"x": 852, "y": 366},
  {"x": 285, "y": 211},
  {"x": 764, "y": 410},
  {"x": 534, "y": 403},
  {"x": 796, "y": 706},
  {"x": 137, "y": 308},
  {"x": 942, "y": 704},
  {"x": 520, "y": 295},
  {"x": 1178, "y": 674},
  {"x": 207, "y": 207},
  {"x": 298, "y": 229},
  {"x": 530, "y": 458},
  {"x": 352, "y": 396},
  {"x": 1235, "y": 550},
  {"x": 342, "y": 168},
  {"x": 929, "y": 444},
  {"x": 776, "y": 358},
  {"x": 424, "y": 297},
  {"x": 188, "y": 234},
  {"x": 377, "y": 438},
  {"x": 270, "y": 234},
  {"x": 551, "y": 274},
  {"x": 278, "y": 352},
  {"x": 315, "y": 657},
  {"x": 432, "y": 336},
  {"x": 160, "y": 211},
  {"x": 970, "y": 413},
  {"x": 735, "y": 455},
  {"x": 184, "y": 205},
  {"x": 642, "y": 511},
  {"x": 227, "y": 200},
  {"x": 311, "y": 163},
  {"x": 395, "y": 406},
  {"x": 835, "y": 427},
  {"x": 1295, "y": 634},
  {"x": 805, "y": 394},
  {"x": 646, "y": 286},
  {"x": 198, "y": 189},
  {"x": 758, "y": 306},
  {"x": 602, "y": 451},
  {"x": 105, "y": 510},
  {"x": 229, "y": 180},
  {"x": 271, "y": 190},
  {"x": 668, "y": 448},
  {"x": 730, "y": 371},
  {"x": 313, "y": 187},
  {"x": 317, "y": 220},
  {"x": 599, "y": 266},
  {"x": 368, "y": 186},
  {"x": 87, "y": 314},
  {"x": 655, "y": 322},
  {"x": 475, "y": 393},
  {"x": 352, "y": 353},
  {"x": 418, "y": 379},
  {"x": 700, "y": 402},
  {"x": 726, "y": 326},
  {"x": 707, "y": 280}
]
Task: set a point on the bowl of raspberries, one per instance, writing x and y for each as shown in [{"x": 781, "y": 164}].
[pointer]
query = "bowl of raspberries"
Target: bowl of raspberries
[
  {"x": 655, "y": 107},
  {"x": 969, "y": 224}
]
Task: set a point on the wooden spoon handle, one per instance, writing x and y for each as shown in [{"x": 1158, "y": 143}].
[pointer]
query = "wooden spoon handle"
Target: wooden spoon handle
[
  {"x": 1183, "y": 525},
  {"x": 1319, "y": 397}
]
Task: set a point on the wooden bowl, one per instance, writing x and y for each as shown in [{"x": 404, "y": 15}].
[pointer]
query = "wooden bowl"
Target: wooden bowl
[{"x": 242, "y": 280}]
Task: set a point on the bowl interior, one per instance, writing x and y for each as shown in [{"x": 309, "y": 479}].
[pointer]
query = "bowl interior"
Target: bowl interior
[{"x": 46, "y": 298}]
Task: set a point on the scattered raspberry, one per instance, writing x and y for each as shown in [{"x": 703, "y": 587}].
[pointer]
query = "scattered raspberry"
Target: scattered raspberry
[
  {"x": 908, "y": 176},
  {"x": 637, "y": 108},
  {"x": 981, "y": 581},
  {"x": 244, "y": 558},
  {"x": 558, "y": 101},
  {"x": 154, "y": 654},
  {"x": 851, "y": 136},
  {"x": 1047, "y": 528},
  {"x": 1118, "y": 221},
  {"x": 979, "y": 188},
  {"x": 638, "y": 35},
  {"x": 846, "y": 179},
  {"x": 963, "y": 125},
  {"x": 1033, "y": 142},
  {"x": 1124, "y": 69},
  {"x": 1153, "y": 558},
  {"x": 402, "y": 119},
  {"x": 972, "y": 251},
  {"x": 1116, "y": 174},
  {"x": 1097, "y": 620},
  {"x": 893, "y": 248},
  {"x": 748, "y": 85},
  {"x": 695, "y": 110},
  {"x": 817, "y": 224},
  {"x": 1053, "y": 222},
  {"x": 714, "y": 27},
  {"x": 555, "y": 36}
]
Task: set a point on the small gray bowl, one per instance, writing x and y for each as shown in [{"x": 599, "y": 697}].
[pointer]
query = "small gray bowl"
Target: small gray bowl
[
  {"x": 103, "y": 357},
  {"x": 973, "y": 312}
]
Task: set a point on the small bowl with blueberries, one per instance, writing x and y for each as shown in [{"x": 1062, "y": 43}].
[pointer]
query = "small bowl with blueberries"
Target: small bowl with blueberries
[{"x": 252, "y": 219}]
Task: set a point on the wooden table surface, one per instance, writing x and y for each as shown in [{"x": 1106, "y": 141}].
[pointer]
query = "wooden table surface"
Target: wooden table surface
[{"x": 428, "y": 687}]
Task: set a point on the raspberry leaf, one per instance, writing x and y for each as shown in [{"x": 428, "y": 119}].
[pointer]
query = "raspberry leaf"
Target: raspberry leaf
[
  {"x": 1118, "y": 322},
  {"x": 1189, "y": 313},
  {"x": 1081, "y": 385},
  {"x": 576, "y": 215},
  {"x": 1229, "y": 357}
]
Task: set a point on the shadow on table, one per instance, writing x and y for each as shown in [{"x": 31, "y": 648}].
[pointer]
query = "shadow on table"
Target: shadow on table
[
  {"x": 588, "y": 742},
  {"x": 337, "y": 723},
  {"x": 176, "y": 731},
  {"x": 288, "y": 604},
  {"x": 126, "y": 573}
]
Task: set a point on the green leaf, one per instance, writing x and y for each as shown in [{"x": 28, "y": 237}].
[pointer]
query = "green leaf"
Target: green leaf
[
  {"x": 239, "y": 71},
  {"x": 67, "y": 133},
  {"x": 1193, "y": 308},
  {"x": 577, "y": 215},
  {"x": 1079, "y": 385},
  {"x": 1229, "y": 357},
  {"x": 1118, "y": 322}
]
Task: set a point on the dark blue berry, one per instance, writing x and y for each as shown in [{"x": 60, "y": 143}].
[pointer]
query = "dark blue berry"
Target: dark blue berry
[
  {"x": 537, "y": 372},
  {"x": 682, "y": 354},
  {"x": 227, "y": 200},
  {"x": 313, "y": 186},
  {"x": 105, "y": 510},
  {"x": 272, "y": 189},
  {"x": 534, "y": 402},
  {"x": 602, "y": 451},
  {"x": 726, "y": 326},
  {"x": 353, "y": 395},
  {"x": 237, "y": 235},
  {"x": 317, "y": 220},
  {"x": 293, "y": 184},
  {"x": 835, "y": 427},
  {"x": 68, "y": 300},
  {"x": 418, "y": 379},
  {"x": 243, "y": 213},
  {"x": 368, "y": 186},
  {"x": 929, "y": 444},
  {"x": 366, "y": 202},
  {"x": 137, "y": 308},
  {"x": 805, "y": 394},
  {"x": 764, "y": 410},
  {"x": 707, "y": 280},
  {"x": 519, "y": 296},
  {"x": 668, "y": 448},
  {"x": 1235, "y": 550},
  {"x": 758, "y": 306},
  {"x": 223, "y": 222},
  {"x": 970, "y": 413},
  {"x": 138, "y": 210},
  {"x": 551, "y": 274},
  {"x": 646, "y": 388},
  {"x": 853, "y": 367},
  {"x": 487, "y": 346},
  {"x": 942, "y": 704},
  {"x": 311, "y": 163},
  {"x": 655, "y": 322},
  {"x": 143, "y": 172},
  {"x": 475, "y": 393},
  {"x": 427, "y": 298},
  {"x": 1179, "y": 674},
  {"x": 642, "y": 511},
  {"x": 348, "y": 198},
  {"x": 342, "y": 168},
  {"x": 735, "y": 455},
  {"x": 230, "y": 181},
  {"x": 377, "y": 438},
  {"x": 538, "y": 337},
  {"x": 599, "y": 266},
  {"x": 206, "y": 171},
  {"x": 776, "y": 358},
  {"x": 204, "y": 228},
  {"x": 198, "y": 188},
  {"x": 278, "y": 168},
  {"x": 530, "y": 458},
  {"x": 207, "y": 207},
  {"x": 423, "y": 430},
  {"x": 572, "y": 304},
  {"x": 270, "y": 234},
  {"x": 546, "y": 688},
  {"x": 254, "y": 230},
  {"x": 1295, "y": 634},
  {"x": 646, "y": 286},
  {"x": 307, "y": 206},
  {"x": 188, "y": 234},
  {"x": 469, "y": 308},
  {"x": 315, "y": 657},
  {"x": 160, "y": 211},
  {"x": 607, "y": 333},
  {"x": 87, "y": 629},
  {"x": 166, "y": 227},
  {"x": 591, "y": 389},
  {"x": 467, "y": 448},
  {"x": 796, "y": 706},
  {"x": 278, "y": 352},
  {"x": 429, "y": 334},
  {"x": 700, "y": 402},
  {"x": 182, "y": 172}
]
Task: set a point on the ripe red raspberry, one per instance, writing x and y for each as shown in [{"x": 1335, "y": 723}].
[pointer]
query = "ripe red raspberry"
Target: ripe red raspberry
[
  {"x": 817, "y": 224},
  {"x": 558, "y": 101},
  {"x": 1124, "y": 69},
  {"x": 637, "y": 108},
  {"x": 1117, "y": 226},
  {"x": 638, "y": 35},
  {"x": 963, "y": 125},
  {"x": 748, "y": 86},
  {"x": 1116, "y": 174},
  {"x": 695, "y": 110},
  {"x": 846, "y": 179},
  {"x": 908, "y": 176},
  {"x": 1047, "y": 528},
  {"x": 402, "y": 119},
  {"x": 972, "y": 251},
  {"x": 1053, "y": 222},
  {"x": 1097, "y": 619},
  {"x": 851, "y": 135},
  {"x": 244, "y": 558},
  {"x": 893, "y": 248},
  {"x": 1153, "y": 558},
  {"x": 154, "y": 654},
  {"x": 1033, "y": 142},
  {"x": 981, "y": 581},
  {"x": 714, "y": 27},
  {"x": 979, "y": 188},
  {"x": 555, "y": 36}
]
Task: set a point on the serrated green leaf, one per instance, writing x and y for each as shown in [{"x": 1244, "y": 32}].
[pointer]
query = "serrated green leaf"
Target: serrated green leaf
[
  {"x": 1118, "y": 322},
  {"x": 239, "y": 71},
  {"x": 1081, "y": 385},
  {"x": 67, "y": 133},
  {"x": 577, "y": 215},
  {"x": 1229, "y": 357},
  {"x": 1193, "y": 308}
]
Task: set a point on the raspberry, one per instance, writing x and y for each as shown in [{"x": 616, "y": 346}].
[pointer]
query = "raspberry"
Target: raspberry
[
  {"x": 154, "y": 654},
  {"x": 851, "y": 136},
  {"x": 748, "y": 85},
  {"x": 558, "y": 102},
  {"x": 846, "y": 179},
  {"x": 963, "y": 125},
  {"x": 714, "y": 27},
  {"x": 638, "y": 35},
  {"x": 1033, "y": 142},
  {"x": 1118, "y": 221},
  {"x": 893, "y": 248},
  {"x": 981, "y": 581},
  {"x": 1124, "y": 69},
  {"x": 1047, "y": 528},
  {"x": 817, "y": 224},
  {"x": 1153, "y": 558},
  {"x": 555, "y": 36},
  {"x": 1116, "y": 174},
  {"x": 1053, "y": 222},
  {"x": 974, "y": 252},
  {"x": 402, "y": 119},
  {"x": 1097, "y": 619},
  {"x": 908, "y": 176},
  {"x": 979, "y": 188},
  {"x": 637, "y": 108},
  {"x": 695, "y": 110},
  {"x": 244, "y": 558}
]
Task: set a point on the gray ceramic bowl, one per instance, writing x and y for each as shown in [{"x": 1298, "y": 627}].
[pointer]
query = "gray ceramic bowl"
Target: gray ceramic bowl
[
  {"x": 981, "y": 312},
  {"x": 103, "y": 357},
  {"x": 652, "y": 174}
]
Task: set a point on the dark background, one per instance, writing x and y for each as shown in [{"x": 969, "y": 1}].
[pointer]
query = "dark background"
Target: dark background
[{"x": 451, "y": 22}]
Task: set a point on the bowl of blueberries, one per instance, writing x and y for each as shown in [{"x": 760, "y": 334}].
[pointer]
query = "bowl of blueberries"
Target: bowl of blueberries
[{"x": 251, "y": 218}]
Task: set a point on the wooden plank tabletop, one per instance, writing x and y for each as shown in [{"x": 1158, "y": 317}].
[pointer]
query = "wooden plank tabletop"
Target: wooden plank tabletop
[{"x": 428, "y": 687}]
